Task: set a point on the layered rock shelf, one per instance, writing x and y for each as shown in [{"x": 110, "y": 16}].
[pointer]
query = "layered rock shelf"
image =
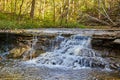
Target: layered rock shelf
[
  {"x": 109, "y": 36},
  {"x": 18, "y": 42}
]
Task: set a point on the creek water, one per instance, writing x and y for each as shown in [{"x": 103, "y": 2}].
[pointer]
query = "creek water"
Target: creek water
[
  {"x": 74, "y": 52},
  {"x": 69, "y": 58}
]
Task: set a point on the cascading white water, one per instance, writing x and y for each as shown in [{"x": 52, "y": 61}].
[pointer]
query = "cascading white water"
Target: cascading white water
[
  {"x": 74, "y": 52},
  {"x": 32, "y": 49}
]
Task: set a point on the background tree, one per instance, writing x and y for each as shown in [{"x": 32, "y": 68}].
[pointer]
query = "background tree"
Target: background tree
[
  {"x": 61, "y": 12},
  {"x": 32, "y": 9}
]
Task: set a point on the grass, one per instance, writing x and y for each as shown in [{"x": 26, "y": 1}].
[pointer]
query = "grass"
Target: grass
[
  {"x": 7, "y": 21},
  {"x": 7, "y": 24}
]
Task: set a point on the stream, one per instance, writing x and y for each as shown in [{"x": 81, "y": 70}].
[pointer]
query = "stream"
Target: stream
[{"x": 66, "y": 58}]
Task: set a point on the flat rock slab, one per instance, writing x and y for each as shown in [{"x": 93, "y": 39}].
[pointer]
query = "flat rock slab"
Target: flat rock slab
[{"x": 99, "y": 34}]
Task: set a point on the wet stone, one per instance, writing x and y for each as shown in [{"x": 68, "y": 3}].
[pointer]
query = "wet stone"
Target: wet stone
[
  {"x": 117, "y": 41},
  {"x": 112, "y": 66},
  {"x": 0, "y": 58}
]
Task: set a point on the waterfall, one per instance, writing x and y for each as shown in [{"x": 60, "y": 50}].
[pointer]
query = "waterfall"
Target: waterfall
[
  {"x": 32, "y": 45},
  {"x": 6, "y": 51},
  {"x": 73, "y": 52}
]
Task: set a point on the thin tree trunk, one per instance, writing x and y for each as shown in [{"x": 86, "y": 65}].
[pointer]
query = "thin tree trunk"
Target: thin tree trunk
[
  {"x": 63, "y": 5},
  {"x": 86, "y": 4},
  {"x": 4, "y": 5},
  {"x": 99, "y": 7},
  {"x": 96, "y": 19},
  {"x": 40, "y": 10},
  {"x": 67, "y": 13},
  {"x": 73, "y": 7},
  {"x": 108, "y": 16},
  {"x": 11, "y": 3},
  {"x": 61, "y": 11},
  {"x": 104, "y": 3},
  {"x": 54, "y": 15},
  {"x": 15, "y": 6},
  {"x": 19, "y": 15},
  {"x": 32, "y": 9},
  {"x": 43, "y": 12}
]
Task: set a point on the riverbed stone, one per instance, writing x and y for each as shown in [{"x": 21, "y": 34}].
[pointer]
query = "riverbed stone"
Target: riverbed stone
[
  {"x": 35, "y": 53},
  {"x": 0, "y": 58},
  {"x": 117, "y": 41},
  {"x": 114, "y": 66},
  {"x": 118, "y": 35},
  {"x": 17, "y": 52},
  {"x": 104, "y": 36}
]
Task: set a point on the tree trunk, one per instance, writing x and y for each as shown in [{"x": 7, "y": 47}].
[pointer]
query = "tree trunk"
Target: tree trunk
[
  {"x": 54, "y": 15},
  {"x": 4, "y": 5},
  {"x": 63, "y": 6},
  {"x": 15, "y": 5},
  {"x": 32, "y": 9},
  {"x": 67, "y": 11},
  {"x": 43, "y": 12},
  {"x": 19, "y": 15},
  {"x": 40, "y": 10},
  {"x": 11, "y": 4},
  {"x": 99, "y": 7}
]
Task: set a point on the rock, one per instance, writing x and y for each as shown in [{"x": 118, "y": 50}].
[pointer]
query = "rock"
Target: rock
[
  {"x": 118, "y": 65},
  {"x": 97, "y": 64},
  {"x": 115, "y": 66},
  {"x": 18, "y": 52},
  {"x": 112, "y": 66},
  {"x": 35, "y": 53},
  {"x": 117, "y": 41},
  {"x": 0, "y": 58},
  {"x": 118, "y": 35},
  {"x": 29, "y": 54},
  {"x": 104, "y": 36}
]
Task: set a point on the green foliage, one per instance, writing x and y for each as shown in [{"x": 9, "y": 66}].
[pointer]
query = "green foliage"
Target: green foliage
[
  {"x": 46, "y": 23},
  {"x": 8, "y": 22},
  {"x": 2, "y": 16},
  {"x": 5, "y": 24},
  {"x": 56, "y": 13},
  {"x": 29, "y": 24},
  {"x": 72, "y": 25}
]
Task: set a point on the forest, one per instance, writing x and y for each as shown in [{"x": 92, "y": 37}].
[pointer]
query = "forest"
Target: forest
[
  {"x": 59, "y": 39},
  {"x": 15, "y": 14}
]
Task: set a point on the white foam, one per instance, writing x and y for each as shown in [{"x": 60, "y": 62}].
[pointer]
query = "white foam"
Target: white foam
[{"x": 74, "y": 52}]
